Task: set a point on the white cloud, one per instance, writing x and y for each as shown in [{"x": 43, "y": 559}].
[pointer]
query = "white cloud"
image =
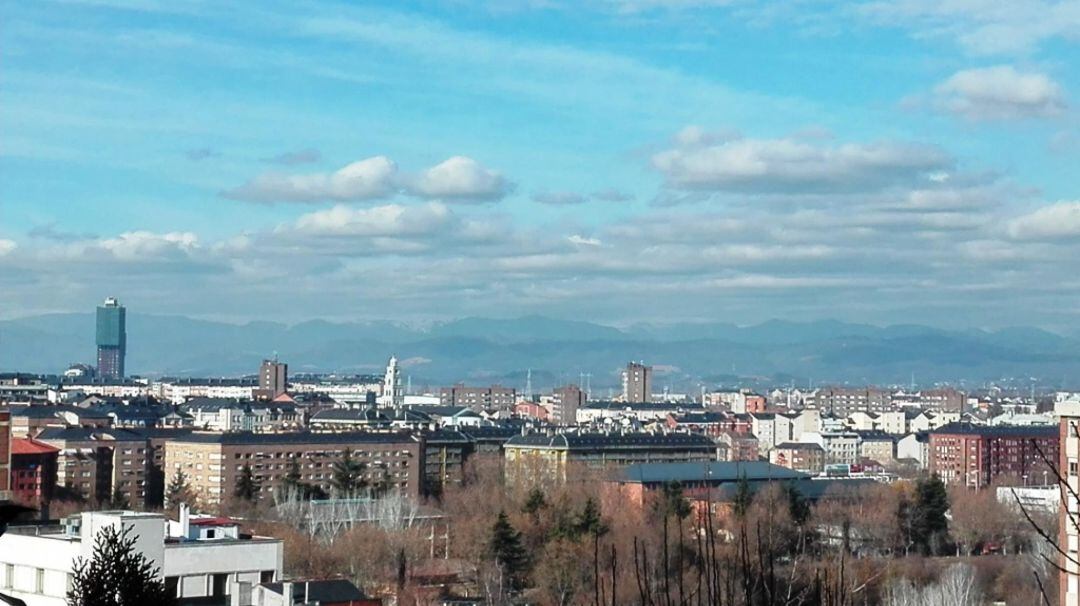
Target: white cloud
[
  {"x": 579, "y": 240},
  {"x": 7, "y": 246},
  {"x": 1056, "y": 221},
  {"x": 763, "y": 165},
  {"x": 1000, "y": 93},
  {"x": 460, "y": 177},
  {"x": 362, "y": 180},
  {"x": 381, "y": 221},
  {"x": 142, "y": 245}
]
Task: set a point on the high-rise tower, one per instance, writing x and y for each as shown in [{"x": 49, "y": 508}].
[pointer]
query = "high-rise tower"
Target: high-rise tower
[
  {"x": 111, "y": 339},
  {"x": 393, "y": 393}
]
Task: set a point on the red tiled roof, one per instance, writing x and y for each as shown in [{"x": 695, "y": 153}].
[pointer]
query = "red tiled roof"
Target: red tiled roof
[{"x": 31, "y": 446}]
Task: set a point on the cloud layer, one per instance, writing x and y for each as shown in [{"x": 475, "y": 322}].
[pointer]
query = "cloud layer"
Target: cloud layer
[{"x": 1000, "y": 93}]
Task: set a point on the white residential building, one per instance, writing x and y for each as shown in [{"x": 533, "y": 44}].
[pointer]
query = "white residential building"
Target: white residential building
[
  {"x": 914, "y": 446},
  {"x": 198, "y": 556}
]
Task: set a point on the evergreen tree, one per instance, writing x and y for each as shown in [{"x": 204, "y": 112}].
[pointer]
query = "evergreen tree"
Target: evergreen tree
[
  {"x": 293, "y": 478},
  {"x": 592, "y": 524},
  {"x": 506, "y": 548},
  {"x": 743, "y": 497},
  {"x": 119, "y": 500},
  {"x": 179, "y": 491},
  {"x": 348, "y": 474},
  {"x": 116, "y": 574},
  {"x": 247, "y": 485},
  {"x": 534, "y": 503},
  {"x": 798, "y": 506},
  {"x": 929, "y": 526}
]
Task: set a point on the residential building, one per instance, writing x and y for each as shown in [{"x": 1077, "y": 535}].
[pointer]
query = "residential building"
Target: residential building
[
  {"x": 877, "y": 446},
  {"x": 842, "y": 401},
  {"x": 1068, "y": 464},
  {"x": 111, "y": 339},
  {"x": 914, "y": 447},
  {"x": 445, "y": 453},
  {"x": 273, "y": 379},
  {"x": 737, "y": 446},
  {"x": 800, "y": 456},
  {"x": 204, "y": 560},
  {"x": 100, "y": 464},
  {"x": 772, "y": 428},
  {"x": 221, "y": 414},
  {"x": 637, "y": 411},
  {"x": 565, "y": 402},
  {"x": 638, "y": 484},
  {"x": 212, "y": 462},
  {"x": 977, "y": 455},
  {"x": 479, "y": 398},
  {"x": 329, "y": 592},
  {"x": 33, "y": 471},
  {"x": 551, "y": 454},
  {"x": 637, "y": 382},
  {"x": 5, "y": 453}
]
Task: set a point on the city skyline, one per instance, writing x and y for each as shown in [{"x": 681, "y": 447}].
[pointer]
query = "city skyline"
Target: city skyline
[{"x": 614, "y": 161}]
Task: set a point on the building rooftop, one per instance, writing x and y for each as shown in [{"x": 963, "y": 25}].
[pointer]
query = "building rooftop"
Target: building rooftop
[
  {"x": 298, "y": 437},
  {"x": 999, "y": 431},
  {"x": 799, "y": 446},
  {"x": 30, "y": 446},
  {"x": 612, "y": 440},
  {"x": 330, "y": 591},
  {"x": 713, "y": 471}
]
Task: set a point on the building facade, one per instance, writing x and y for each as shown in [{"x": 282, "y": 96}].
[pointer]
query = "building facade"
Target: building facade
[
  {"x": 33, "y": 471},
  {"x": 637, "y": 382},
  {"x": 977, "y": 455},
  {"x": 273, "y": 379},
  {"x": 550, "y": 455},
  {"x": 212, "y": 462},
  {"x": 1068, "y": 463},
  {"x": 479, "y": 398}
]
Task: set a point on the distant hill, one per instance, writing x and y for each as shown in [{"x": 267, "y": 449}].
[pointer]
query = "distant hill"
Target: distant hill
[{"x": 502, "y": 350}]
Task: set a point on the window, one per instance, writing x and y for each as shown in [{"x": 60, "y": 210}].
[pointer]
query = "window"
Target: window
[
  {"x": 39, "y": 580},
  {"x": 9, "y": 575}
]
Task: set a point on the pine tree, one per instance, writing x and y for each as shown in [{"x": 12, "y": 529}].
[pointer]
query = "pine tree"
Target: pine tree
[
  {"x": 592, "y": 524},
  {"x": 929, "y": 526},
  {"x": 798, "y": 506},
  {"x": 116, "y": 574},
  {"x": 534, "y": 503},
  {"x": 743, "y": 497},
  {"x": 179, "y": 491},
  {"x": 348, "y": 474},
  {"x": 506, "y": 548},
  {"x": 247, "y": 485},
  {"x": 293, "y": 477},
  {"x": 119, "y": 500}
]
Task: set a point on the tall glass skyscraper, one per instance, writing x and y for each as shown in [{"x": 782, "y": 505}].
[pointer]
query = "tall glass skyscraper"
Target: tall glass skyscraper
[{"x": 111, "y": 339}]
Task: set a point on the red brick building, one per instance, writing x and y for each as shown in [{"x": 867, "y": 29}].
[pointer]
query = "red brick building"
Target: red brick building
[
  {"x": 33, "y": 470},
  {"x": 5, "y": 451},
  {"x": 977, "y": 455}
]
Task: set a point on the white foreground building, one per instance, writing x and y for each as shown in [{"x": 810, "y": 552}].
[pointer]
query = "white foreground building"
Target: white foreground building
[{"x": 204, "y": 559}]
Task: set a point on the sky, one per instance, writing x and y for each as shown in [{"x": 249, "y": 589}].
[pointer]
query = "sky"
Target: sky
[{"x": 905, "y": 161}]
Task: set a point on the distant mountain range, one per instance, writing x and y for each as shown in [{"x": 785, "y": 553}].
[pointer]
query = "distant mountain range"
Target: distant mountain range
[{"x": 482, "y": 350}]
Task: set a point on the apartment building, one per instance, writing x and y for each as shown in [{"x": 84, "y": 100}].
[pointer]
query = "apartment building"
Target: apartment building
[
  {"x": 204, "y": 560},
  {"x": 637, "y": 383},
  {"x": 33, "y": 471},
  {"x": 800, "y": 456},
  {"x": 100, "y": 463},
  {"x": 222, "y": 414},
  {"x": 565, "y": 402},
  {"x": 842, "y": 401},
  {"x": 976, "y": 455},
  {"x": 479, "y": 398},
  {"x": 212, "y": 462},
  {"x": 1068, "y": 463},
  {"x": 550, "y": 455}
]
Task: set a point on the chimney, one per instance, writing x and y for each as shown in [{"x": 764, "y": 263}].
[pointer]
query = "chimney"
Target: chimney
[
  {"x": 287, "y": 593},
  {"x": 185, "y": 520}
]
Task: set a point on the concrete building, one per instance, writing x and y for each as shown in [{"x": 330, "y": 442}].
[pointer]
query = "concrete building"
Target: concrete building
[
  {"x": 800, "y": 456},
  {"x": 565, "y": 402},
  {"x": 111, "y": 339},
  {"x": 5, "y": 454},
  {"x": 329, "y": 592},
  {"x": 550, "y": 455},
  {"x": 976, "y": 455},
  {"x": 100, "y": 463},
  {"x": 273, "y": 379},
  {"x": 393, "y": 391},
  {"x": 637, "y": 383},
  {"x": 842, "y": 401},
  {"x": 204, "y": 560},
  {"x": 914, "y": 447},
  {"x": 1068, "y": 463},
  {"x": 877, "y": 446},
  {"x": 33, "y": 471},
  {"x": 221, "y": 414},
  {"x": 479, "y": 398},
  {"x": 213, "y": 462}
]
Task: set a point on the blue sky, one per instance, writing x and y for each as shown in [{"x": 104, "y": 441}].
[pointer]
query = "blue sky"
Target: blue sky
[{"x": 614, "y": 160}]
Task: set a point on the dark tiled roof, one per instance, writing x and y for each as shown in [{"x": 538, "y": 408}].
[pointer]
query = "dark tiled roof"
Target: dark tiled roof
[
  {"x": 585, "y": 441},
  {"x": 330, "y": 591},
  {"x": 713, "y": 471},
  {"x": 701, "y": 417},
  {"x": 299, "y": 437},
  {"x": 643, "y": 406},
  {"x": 999, "y": 431},
  {"x": 87, "y": 434},
  {"x": 799, "y": 446},
  {"x": 809, "y": 488},
  {"x": 367, "y": 415}
]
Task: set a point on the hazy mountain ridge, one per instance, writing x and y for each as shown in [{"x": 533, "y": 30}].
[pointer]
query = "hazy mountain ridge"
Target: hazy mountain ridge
[{"x": 500, "y": 350}]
